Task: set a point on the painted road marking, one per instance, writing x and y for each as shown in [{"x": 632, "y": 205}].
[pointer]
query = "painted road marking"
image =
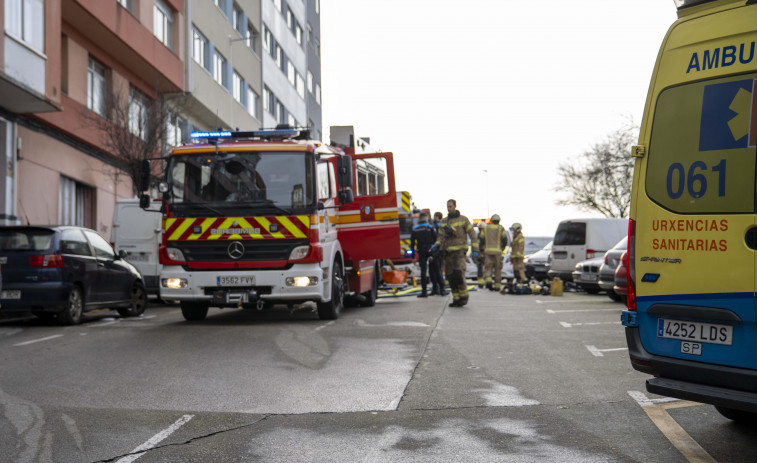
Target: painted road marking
[
  {"x": 599, "y": 352},
  {"x": 38, "y": 340},
  {"x": 557, "y": 301},
  {"x": 550, "y": 311},
  {"x": 656, "y": 409},
  {"x": 155, "y": 440},
  {"x": 571, "y": 325}
]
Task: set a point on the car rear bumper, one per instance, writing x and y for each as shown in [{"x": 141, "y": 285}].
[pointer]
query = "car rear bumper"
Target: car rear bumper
[
  {"x": 688, "y": 380},
  {"x": 37, "y": 297}
]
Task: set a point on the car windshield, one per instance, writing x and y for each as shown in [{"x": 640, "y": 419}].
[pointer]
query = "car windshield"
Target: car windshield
[
  {"x": 30, "y": 239},
  {"x": 278, "y": 181}
]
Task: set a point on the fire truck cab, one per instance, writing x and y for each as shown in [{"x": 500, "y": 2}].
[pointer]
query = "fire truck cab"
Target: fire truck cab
[{"x": 256, "y": 218}]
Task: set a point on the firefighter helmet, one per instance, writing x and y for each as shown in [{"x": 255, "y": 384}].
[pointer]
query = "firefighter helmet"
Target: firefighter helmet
[
  {"x": 517, "y": 226},
  {"x": 495, "y": 218}
]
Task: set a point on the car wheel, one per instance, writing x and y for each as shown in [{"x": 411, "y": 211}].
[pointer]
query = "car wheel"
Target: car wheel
[
  {"x": 739, "y": 416},
  {"x": 72, "y": 314},
  {"x": 591, "y": 289},
  {"x": 370, "y": 296},
  {"x": 194, "y": 311},
  {"x": 138, "y": 302},
  {"x": 330, "y": 310}
]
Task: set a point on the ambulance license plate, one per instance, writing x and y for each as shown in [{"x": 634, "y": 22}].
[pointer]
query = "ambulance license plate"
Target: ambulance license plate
[
  {"x": 695, "y": 331},
  {"x": 11, "y": 294},
  {"x": 235, "y": 280}
]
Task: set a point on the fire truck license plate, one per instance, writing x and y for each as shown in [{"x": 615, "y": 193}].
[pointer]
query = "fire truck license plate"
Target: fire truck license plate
[{"x": 236, "y": 280}]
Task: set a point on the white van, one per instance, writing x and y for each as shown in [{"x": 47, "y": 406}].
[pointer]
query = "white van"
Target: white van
[
  {"x": 577, "y": 240},
  {"x": 138, "y": 232}
]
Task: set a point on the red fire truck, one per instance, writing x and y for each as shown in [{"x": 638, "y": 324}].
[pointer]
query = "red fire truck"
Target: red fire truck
[{"x": 256, "y": 218}]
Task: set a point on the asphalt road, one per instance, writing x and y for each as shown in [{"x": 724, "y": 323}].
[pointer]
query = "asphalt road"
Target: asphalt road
[{"x": 507, "y": 378}]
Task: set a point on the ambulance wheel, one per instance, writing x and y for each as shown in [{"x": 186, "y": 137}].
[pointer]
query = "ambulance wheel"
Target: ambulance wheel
[
  {"x": 739, "y": 416},
  {"x": 372, "y": 295},
  {"x": 330, "y": 310},
  {"x": 194, "y": 311}
]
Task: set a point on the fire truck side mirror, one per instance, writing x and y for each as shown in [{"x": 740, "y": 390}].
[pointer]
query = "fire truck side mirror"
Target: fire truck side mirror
[
  {"x": 344, "y": 172},
  {"x": 345, "y": 196},
  {"x": 144, "y": 176},
  {"x": 144, "y": 201}
]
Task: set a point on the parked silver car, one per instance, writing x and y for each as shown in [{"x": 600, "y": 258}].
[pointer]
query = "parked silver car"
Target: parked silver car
[
  {"x": 586, "y": 275},
  {"x": 537, "y": 264},
  {"x": 607, "y": 271}
]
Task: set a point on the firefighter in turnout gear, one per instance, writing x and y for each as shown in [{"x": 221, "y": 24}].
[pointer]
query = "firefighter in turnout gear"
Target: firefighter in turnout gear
[
  {"x": 480, "y": 260},
  {"x": 453, "y": 239},
  {"x": 517, "y": 252},
  {"x": 495, "y": 241}
]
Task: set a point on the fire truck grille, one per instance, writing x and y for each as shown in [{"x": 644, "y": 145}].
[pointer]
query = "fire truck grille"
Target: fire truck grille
[{"x": 223, "y": 251}]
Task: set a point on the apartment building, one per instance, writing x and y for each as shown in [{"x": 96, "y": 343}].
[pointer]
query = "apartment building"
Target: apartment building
[
  {"x": 64, "y": 66},
  {"x": 67, "y": 66},
  {"x": 291, "y": 64}
]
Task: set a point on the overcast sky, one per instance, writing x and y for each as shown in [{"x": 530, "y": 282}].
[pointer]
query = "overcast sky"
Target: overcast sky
[{"x": 454, "y": 88}]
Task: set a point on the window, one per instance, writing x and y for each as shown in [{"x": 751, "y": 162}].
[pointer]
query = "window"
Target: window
[
  {"x": 281, "y": 113},
  {"x": 267, "y": 40},
  {"x": 137, "y": 113},
  {"x": 252, "y": 103},
  {"x": 277, "y": 4},
  {"x": 300, "y": 85},
  {"x": 277, "y": 55},
  {"x": 96, "y": 87},
  {"x": 126, "y": 4},
  {"x": 290, "y": 19},
  {"x": 310, "y": 82},
  {"x": 75, "y": 203},
  {"x": 291, "y": 73},
  {"x": 102, "y": 248},
  {"x": 251, "y": 37},
  {"x": 291, "y": 120},
  {"x": 174, "y": 130},
  {"x": 25, "y": 21},
  {"x": 298, "y": 33},
  {"x": 268, "y": 103},
  {"x": 219, "y": 69},
  {"x": 317, "y": 93},
  {"x": 163, "y": 23},
  {"x": 220, "y": 4},
  {"x": 237, "y": 88},
  {"x": 199, "y": 48},
  {"x": 324, "y": 181},
  {"x": 310, "y": 33},
  {"x": 237, "y": 17},
  {"x": 73, "y": 242},
  {"x": 317, "y": 6}
]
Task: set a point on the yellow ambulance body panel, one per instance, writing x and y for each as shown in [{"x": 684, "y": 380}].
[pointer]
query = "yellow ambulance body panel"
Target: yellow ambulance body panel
[{"x": 693, "y": 232}]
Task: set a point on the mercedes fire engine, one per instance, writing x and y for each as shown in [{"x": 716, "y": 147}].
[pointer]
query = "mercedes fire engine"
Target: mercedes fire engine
[{"x": 256, "y": 218}]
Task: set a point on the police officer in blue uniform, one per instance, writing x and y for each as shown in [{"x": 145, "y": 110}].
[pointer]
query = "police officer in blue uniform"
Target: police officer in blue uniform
[{"x": 421, "y": 240}]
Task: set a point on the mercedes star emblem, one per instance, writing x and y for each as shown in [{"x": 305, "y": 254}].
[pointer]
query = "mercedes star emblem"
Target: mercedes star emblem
[{"x": 235, "y": 250}]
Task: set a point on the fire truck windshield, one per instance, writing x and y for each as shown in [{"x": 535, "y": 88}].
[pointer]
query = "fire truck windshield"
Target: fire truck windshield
[{"x": 256, "y": 182}]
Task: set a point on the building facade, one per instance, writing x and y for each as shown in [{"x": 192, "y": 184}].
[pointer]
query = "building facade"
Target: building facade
[{"x": 291, "y": 64}]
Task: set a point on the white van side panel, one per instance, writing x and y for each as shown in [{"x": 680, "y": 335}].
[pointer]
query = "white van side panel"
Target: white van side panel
[
  {"x": 601, "y": 235},
  {"x": 138, "y": 233}
]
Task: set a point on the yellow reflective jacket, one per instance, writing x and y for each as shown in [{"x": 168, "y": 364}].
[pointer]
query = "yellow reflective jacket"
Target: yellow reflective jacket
[
  {"x": 460, "y": 229},
  {"x": 518, "y": 246},
  {"x": 495, "y": 239}
]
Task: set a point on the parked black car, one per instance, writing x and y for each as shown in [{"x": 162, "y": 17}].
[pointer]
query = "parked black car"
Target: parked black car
[{"x": 62, "y": 272}]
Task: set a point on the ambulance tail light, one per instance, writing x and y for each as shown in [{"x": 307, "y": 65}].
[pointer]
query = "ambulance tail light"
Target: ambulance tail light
[{"x": 631, "y": 266}]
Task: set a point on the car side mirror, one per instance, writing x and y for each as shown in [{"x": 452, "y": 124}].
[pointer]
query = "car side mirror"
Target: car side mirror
[
  {"x": 122, "y": 254},
  {"x": 345, "y": 197}
]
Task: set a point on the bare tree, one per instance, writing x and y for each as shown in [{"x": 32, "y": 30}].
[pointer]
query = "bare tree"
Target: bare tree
[
  {"x": 135, "y": 129},
  {"x": 601, "y": 179}
]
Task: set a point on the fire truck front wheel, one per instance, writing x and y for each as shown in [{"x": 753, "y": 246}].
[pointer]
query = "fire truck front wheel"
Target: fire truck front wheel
[
  {"x": 330, "y": 310},
  {"x": 372, "y": 294},
  {"x": 194, "y": 311}
]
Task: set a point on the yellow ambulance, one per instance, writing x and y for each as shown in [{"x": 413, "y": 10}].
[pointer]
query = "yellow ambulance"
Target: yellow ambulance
[{"x": 690, "y": 321}]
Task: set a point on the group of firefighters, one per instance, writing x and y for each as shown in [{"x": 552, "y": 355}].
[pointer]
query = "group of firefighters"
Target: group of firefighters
[{"x": 443, "y": 243}]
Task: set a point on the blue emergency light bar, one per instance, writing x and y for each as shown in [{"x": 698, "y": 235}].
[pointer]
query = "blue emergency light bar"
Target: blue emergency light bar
[{"x": 275, "y": 133}]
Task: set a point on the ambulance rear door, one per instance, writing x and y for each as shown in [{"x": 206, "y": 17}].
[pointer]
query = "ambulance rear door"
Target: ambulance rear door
[{"x": 695, "y": 231}]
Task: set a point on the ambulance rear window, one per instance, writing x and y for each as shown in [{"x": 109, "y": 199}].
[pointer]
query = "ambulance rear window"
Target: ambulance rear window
[{"x": 701, "y": 157}]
